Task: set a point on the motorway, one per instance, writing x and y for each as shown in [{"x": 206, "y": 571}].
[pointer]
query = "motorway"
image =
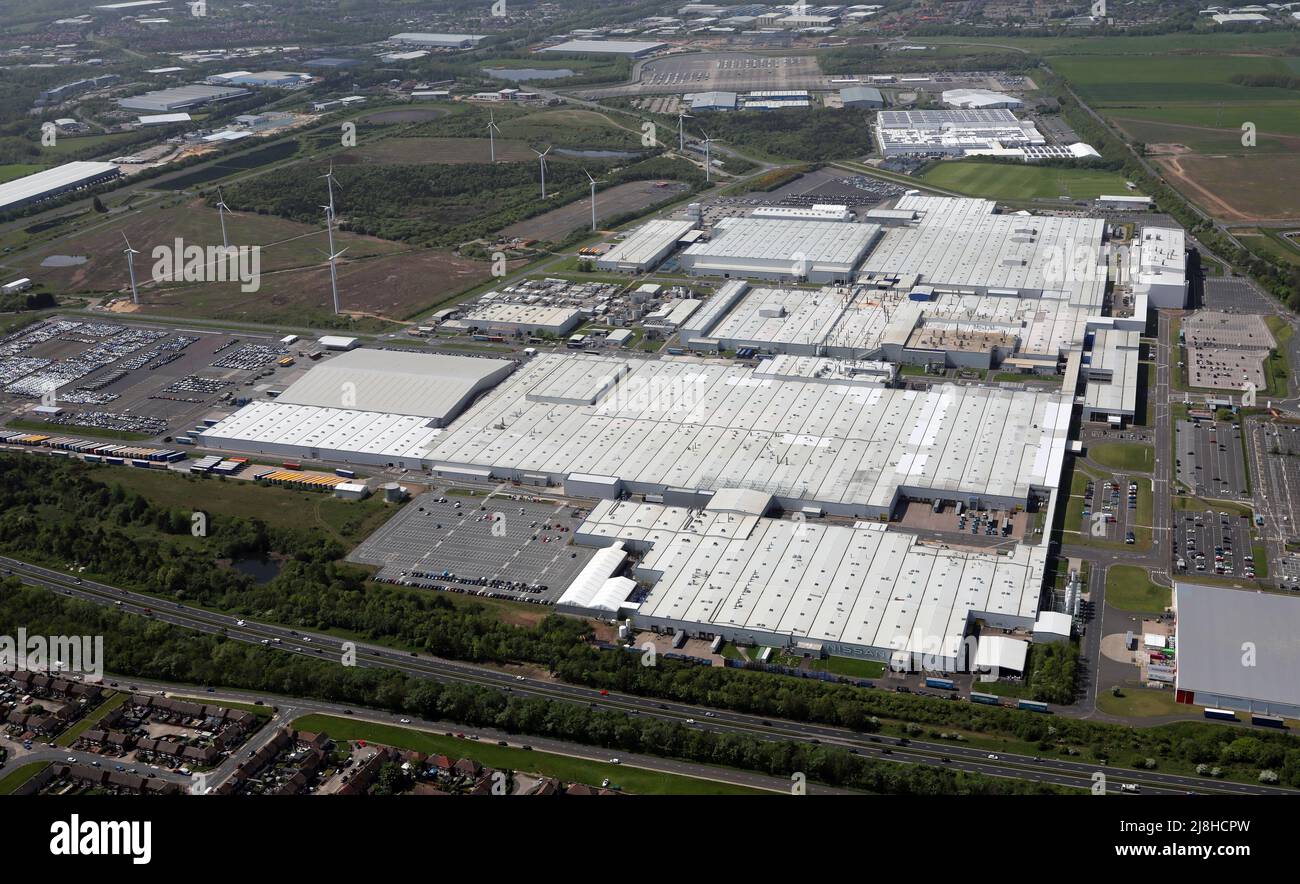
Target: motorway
[{"x": 1076, "y": 774}]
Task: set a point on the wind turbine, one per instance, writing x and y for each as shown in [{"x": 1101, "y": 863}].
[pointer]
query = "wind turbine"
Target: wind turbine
[
  {"x": 493, "y": 131},
  {"x": 593, "y": 199},
  {"x": 333, "y": 256},
  {"x": 130, "y": 267},
  {"x": 682, "y": 117},
  {"x": 541, "y": 159},
  {"x": 708, "y": 156},
  {"x": 334, "y": 276},
  {"x": 221, "y": 210},
  {"x": 330, "y": 181}
]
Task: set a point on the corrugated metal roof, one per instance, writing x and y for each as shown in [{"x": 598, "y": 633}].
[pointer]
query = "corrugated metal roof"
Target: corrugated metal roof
[
  {"x": 422, "y": 384},
  {"x": 1215, "y": 627}
]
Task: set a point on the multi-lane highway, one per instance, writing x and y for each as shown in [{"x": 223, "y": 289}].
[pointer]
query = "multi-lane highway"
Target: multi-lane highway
[{"x": 1077, "y": 774}]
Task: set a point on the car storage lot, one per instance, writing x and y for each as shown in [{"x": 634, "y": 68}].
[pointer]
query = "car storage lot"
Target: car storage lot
[
  {"x": 1208, "y": 459},
  {"x": 444, "y": 541},
  {"x": 153, "y": 375}
]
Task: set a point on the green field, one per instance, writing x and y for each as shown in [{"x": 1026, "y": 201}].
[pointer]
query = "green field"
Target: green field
[
  {"x": 1133, "y": 456},
  {"x": 1130, "y": 589},
  {"x": 346, "y": 520},
  {"x": 1001, "y": 181},
  {"x": 20, "y": 775},
  {"x": 17, "y": 170},
  {"x": 563, "y": 767},
  {"x": 1130, "y": 78},
  {"x": 1141, "y": 703}
]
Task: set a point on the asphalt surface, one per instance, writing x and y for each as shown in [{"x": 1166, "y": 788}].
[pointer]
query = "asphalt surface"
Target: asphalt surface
[{"x": 1001, "y": 764}]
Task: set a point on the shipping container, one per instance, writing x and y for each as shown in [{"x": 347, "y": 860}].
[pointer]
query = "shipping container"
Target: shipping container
[
  {"x": 290, "y": 465},
  {"x": 184, "y": 440},
  {"x": 346, "y": 474}
]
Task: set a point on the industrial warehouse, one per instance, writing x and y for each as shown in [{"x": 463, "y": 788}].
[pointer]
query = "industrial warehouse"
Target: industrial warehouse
[
  {"x": 53, "y": 182},
  {"x": 1233, "y": 655},
  {"x": 858, "y": 591},
  {"x": 707, "y": 470}
]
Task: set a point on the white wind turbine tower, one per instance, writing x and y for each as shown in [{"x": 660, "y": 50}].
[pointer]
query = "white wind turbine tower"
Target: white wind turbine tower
[
  {"x": 330, "y": 181},
  {"x": 333, "y": 256},
  {"x": 593, "y": 199},
  {"x": 682, "y": 117},
  {"x": 221, "y": 210},
  {"x": 541, "y": 159},
  {"x": 130, "y": 268},
  {"x": 708, "y": 156},
  {"x": 493, "y": 131}
]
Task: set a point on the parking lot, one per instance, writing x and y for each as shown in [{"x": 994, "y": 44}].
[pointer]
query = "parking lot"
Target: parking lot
[
  {"x": 127, "y": 378},
  {"x": 1235, "y": 296},
  {"x": 1287, "y": 571},
  {"x": 1215, "y": 543},
  {"x": 500, "y": 546},
  {"x": 1110, "y": 508},
  {"x": 1275, "y": 453},
  {"x": 1208, "y": 459}
]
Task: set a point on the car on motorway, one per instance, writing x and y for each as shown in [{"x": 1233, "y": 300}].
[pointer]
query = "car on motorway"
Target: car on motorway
[
  {"x": 993, "y": 757},
  {"x": 689, "y": 721},
  {"x": 403, "y": 721}
]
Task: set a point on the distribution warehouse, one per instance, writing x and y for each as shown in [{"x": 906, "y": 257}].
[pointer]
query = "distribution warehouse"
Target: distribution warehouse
[
  {"x": 706, "y": 470},
  {"x": 53, "y": 182}
]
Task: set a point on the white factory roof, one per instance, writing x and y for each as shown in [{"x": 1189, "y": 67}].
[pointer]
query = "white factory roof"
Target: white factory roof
[
  {"x": 817, "y": 212},
  {"x": 423, "y": 384},
  {"x": 1215, "y": 625},
  {"x": 162, "y": 119},
  {"x": 979, "y": 98},
  {"x": 856, "y": 584},
  {"x": 957, "y": 245},
  {"x": 610, "y": 47},
  {"x": 717, "y": 425},
  {"x": 1113, "y": 372},
  {"x": 426, "y": 38},
  {"x": 1163, "y": 256},
  {"x": 647, "y": 241},
  {"x": 998, "y": 652},
  {"x": 38, "y": 184},
  {"x": 531, "y": 315},
  {"x": 595, "y": 587},
  {"x": 347, "y": 432},
  {"x": 817, "y": 244}
]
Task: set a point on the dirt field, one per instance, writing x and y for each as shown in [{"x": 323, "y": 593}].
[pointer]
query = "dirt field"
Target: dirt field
[
  {"x": 632, "y": 197},
  {"x": 1239, "y": 188},
  {"x": 393, "y": 287},
  {"x": 446, "y": 151},
  {"x": 285, "y": 244}
]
